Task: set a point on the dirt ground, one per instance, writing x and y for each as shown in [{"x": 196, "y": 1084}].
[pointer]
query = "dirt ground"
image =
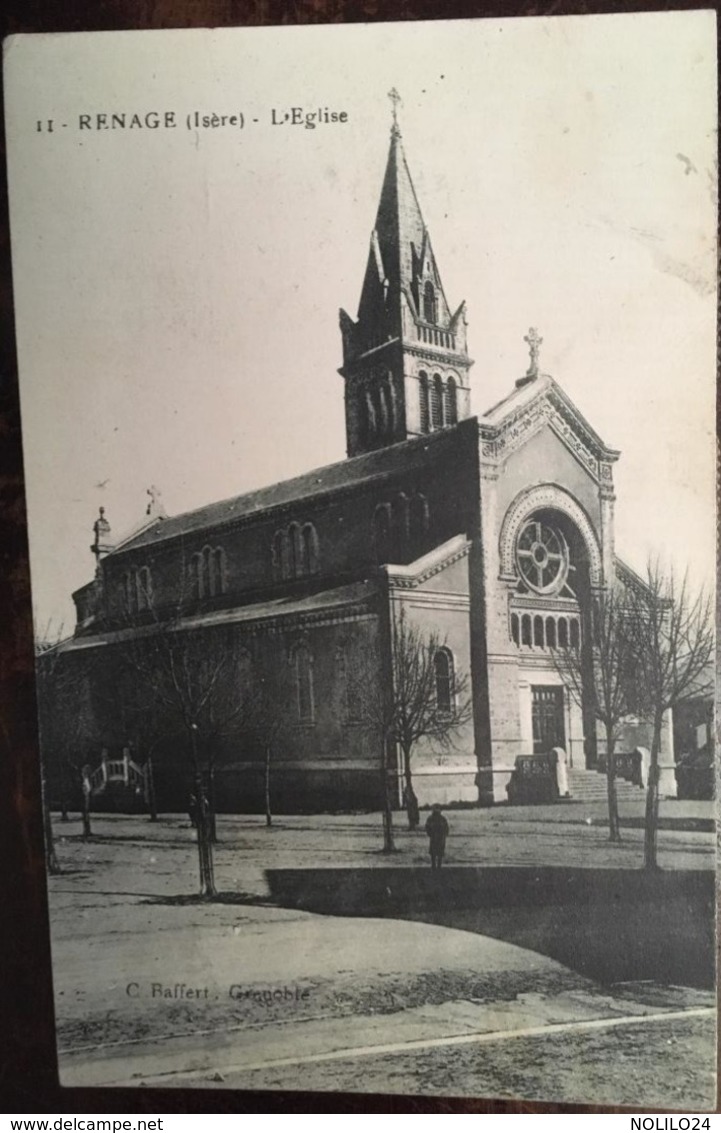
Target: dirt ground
[{"x": 153, "y": 985}]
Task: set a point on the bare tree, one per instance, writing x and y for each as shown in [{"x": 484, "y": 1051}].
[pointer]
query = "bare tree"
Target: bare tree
[
  {"x": 673, "y": 633},
  {"x": 261, "y": 727},
  {"x": 426, "y": 698},
  {"x": 429, "y": 700},
  {"x": 63, "y": 728},
  {"x": 601, "y": 677},
  {"x": 43, "y": 684},
  {"x": 181, "y": 681}
]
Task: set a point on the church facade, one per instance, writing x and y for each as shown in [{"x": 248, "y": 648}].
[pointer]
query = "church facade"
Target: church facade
[{"x": 491, "y": 532}]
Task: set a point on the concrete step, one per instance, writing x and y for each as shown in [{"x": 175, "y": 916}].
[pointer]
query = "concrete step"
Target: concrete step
[{"x": 590, "y": 786}]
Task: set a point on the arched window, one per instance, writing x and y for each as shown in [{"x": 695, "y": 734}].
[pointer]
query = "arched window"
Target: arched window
[
  {"x": 575, "y": 636},
  {"x": 437, "y": 402},
  {"x": 526, "y": 629},
  {"x": 348, "y": 683},
  {"x": 295, "y": 551},
  {"x": 303, "y": 663},
  {"x": 418, "y": 522},
  {"x": 514, "y": 629},
  {"x": 371, "y": 419},
  {"x": 542, "y": 557},
  {"x": 451, "y": 403},
  {"x": 401, "y": 522},
  {"x": 244, "y": 675},
  {"x": 443, "y": 666},
  {"x": 562, "y": 633},
  {"x": 382, "y": 533},
  {"x": 424, "y": 402},
  {"x": 205, "y": 572},
  {"x": 538, "y": 637},
  {"x": 278, "y": 556},
  {"x": 381, "y": 398},
  {"x": 217, "y": 571},
  {"x": 143, "y": 589},
  {"x": 551, "y": 633},
  {"x": 309, "y": 540},
  {"x": 390, "y": 394},
  {"x": 429, "y": 302},
  {"x": 130, "y": 593}
]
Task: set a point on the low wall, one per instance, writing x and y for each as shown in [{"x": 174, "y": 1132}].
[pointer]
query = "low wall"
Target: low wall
[{"x": 610, "y": 925}]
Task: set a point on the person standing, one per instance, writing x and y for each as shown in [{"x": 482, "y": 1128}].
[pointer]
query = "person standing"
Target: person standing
[{"x": 437, "y": 830}]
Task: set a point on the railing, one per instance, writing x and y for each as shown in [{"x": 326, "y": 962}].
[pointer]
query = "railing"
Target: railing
[
  {"x": 437, "y": 337},
  {"x": 534, "y": 779},
  {"x": 628, "y": 765},
  {"x": 124, "y": 771}
]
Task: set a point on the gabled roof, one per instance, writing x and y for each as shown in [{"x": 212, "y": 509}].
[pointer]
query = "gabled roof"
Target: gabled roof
[
  {"x": 346, "y": 474},
  {"x": 514, "y": 419},
  {"x": 417, "y": 572},
  {"x": 343, "y": 600}
]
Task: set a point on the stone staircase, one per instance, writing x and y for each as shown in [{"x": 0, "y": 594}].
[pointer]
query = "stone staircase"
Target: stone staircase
[{"x": 590, "y": 786}]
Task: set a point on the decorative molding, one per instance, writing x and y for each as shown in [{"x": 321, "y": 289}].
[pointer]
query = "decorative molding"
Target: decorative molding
[
  {"x": 547, "y": 496},
  {"x": 404, "y": 577},
  {"x": 549, "y": 407},
  {"x": 434, "y": 600},
  {"x": 436, "y": 354}
]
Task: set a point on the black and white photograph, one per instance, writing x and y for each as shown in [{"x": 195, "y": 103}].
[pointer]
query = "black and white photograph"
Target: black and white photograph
[{"x": 367, "y": 380}]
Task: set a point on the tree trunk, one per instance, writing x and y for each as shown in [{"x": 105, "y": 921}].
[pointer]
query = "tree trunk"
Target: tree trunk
[
  {"x": 205, "y": 845},
  {"x": 212, "y": 825},
  {"x": 150, "y": 787},
  {"x": 386, "y": 803},
  {"x": 650, "y": 840},
  {"x": 268, "y": 815},
  {"x": 410, "y": 796},
  {"x": 614, "y": 824},
  {"x": 51, "y": 861},
  {"x": 87, "y": 832},
  {"x": 64, "y": 816}
]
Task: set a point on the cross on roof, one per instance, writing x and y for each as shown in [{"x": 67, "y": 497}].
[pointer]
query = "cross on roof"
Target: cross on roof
[
  {"x": 395, "y": 99},
  {"x": 534, "y": 341}
]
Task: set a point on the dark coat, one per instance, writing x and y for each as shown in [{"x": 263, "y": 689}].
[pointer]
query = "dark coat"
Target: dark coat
[{"x": 437, "y": 830}]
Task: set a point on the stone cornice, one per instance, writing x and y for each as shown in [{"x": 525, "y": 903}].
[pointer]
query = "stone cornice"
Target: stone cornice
[
  {"x": 409, "y": 577},
  {"x": 355, "y": 612},
  {"x": 437, "y": 354},
  {"x": 549, "y": 407},
  {"x": 432, "y": 599}
]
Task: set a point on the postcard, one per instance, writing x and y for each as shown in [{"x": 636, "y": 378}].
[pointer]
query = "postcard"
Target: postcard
[{"x": 368, "y": 380}]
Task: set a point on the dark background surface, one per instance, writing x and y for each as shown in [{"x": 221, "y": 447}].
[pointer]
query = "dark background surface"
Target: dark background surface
[{"x": 28, "y": 1067}]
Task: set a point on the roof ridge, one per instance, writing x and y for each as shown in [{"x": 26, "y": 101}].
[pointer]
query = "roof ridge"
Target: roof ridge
[{"x": 384, "y": 457}]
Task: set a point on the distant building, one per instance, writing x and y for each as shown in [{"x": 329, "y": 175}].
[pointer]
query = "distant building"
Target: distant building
[{"x": 494, "y": 531}]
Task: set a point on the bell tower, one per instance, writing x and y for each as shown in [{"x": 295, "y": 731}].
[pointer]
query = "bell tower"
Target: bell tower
[{"x": 405, "y": 359}]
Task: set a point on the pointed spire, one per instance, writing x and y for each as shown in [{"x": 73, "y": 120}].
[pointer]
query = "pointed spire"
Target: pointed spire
[
  {"x": 395, "y": 101},
  {"x": 399, "y": 228}
]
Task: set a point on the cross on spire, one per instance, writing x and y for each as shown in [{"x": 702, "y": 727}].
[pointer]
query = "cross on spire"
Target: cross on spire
[
  {"x": 395, "y": 99},
  {"x": 534, "y": 341}
]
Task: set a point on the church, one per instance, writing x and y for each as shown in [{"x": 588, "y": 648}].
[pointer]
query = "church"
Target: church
[{"x": 491, "y": 532}]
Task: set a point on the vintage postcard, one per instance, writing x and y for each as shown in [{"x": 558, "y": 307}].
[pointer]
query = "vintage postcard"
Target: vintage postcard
[{"x": 368, "y": 384}]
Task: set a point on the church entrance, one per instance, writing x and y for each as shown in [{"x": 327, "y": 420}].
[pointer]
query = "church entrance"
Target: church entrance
[{"x": 549, "y": 729}]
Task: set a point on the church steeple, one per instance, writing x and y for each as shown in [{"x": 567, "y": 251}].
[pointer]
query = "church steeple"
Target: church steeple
[{"x": 405, "y": 360}]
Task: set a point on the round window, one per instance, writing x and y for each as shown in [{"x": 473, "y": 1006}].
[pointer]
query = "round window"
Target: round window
[{"x": 542, "y": 557}]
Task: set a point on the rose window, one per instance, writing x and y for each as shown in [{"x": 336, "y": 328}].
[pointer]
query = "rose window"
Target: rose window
[{"x": 542, "y": 557}]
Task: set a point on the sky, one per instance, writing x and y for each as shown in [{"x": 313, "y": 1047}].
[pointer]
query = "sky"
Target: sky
[{"x": 177, "y": 290}]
